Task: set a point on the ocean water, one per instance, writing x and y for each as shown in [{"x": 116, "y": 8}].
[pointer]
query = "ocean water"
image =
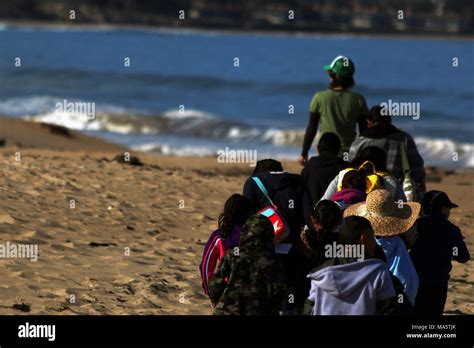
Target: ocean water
[{"x": 183, "y": 95}]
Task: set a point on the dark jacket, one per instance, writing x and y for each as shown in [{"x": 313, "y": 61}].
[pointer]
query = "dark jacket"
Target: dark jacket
[
  {"x": 318, "y": 174},
  {"x": 302, "y": 258},
  {"x": 286, "y": 191},
  {"x": 388, "y": 138},
  {"x": 433, "y": 249}
]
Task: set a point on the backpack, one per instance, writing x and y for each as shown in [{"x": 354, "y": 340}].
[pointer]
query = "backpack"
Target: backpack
[
  {"x": 213, "y": 253},
  {"x": 280, "y": 226}
]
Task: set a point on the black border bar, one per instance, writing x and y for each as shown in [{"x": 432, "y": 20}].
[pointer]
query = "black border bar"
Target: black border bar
[{"x": 212, "y": 330}]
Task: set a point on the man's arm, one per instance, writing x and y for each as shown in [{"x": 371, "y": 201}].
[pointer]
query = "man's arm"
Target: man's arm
[
  {"x": 310, "y": 133},
  {"x": 362, "y": 120}
]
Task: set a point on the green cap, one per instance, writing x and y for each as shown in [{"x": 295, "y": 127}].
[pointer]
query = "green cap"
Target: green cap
[{"x": 341, "y": 66}]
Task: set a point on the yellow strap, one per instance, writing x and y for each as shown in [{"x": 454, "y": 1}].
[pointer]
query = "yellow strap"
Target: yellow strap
[{"x": 341, "y": 176}]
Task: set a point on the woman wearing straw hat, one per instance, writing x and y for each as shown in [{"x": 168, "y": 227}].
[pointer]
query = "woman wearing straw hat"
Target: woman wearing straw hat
[{"x": 389, "y": 221}]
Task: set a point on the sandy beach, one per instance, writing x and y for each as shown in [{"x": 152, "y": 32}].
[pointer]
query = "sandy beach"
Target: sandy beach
[{"x": 132, "y": 240}]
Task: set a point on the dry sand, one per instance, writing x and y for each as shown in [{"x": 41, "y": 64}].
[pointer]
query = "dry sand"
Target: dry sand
[{"x": 162, "y": 212}]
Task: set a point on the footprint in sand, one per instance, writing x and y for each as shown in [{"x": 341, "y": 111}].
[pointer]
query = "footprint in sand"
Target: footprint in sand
[{"x": 162, "y": 288}]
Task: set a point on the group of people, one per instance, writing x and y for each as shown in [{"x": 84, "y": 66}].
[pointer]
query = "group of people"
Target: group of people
[{"x": 355, "y": 234}]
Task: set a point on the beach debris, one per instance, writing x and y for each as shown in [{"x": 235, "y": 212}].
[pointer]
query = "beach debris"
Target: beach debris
[
  {"x": 55, "y": 129},
  {"x": 200, "y": 242},
  {"x": 24, "y": 307},
  {"x": 130, "y": 160}
]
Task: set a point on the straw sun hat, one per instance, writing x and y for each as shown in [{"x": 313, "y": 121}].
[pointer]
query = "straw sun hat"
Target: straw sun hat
[{"x": 388, "y": 218}]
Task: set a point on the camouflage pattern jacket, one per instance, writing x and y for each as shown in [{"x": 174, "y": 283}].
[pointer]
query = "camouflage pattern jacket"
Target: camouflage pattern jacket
[{"x": 249, "y": 280}]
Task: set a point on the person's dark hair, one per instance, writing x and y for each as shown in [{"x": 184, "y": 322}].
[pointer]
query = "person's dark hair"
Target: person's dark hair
[
  {"x": 330, "y": 143},
  {"x": 437, "y": 206},
  {"x": 374, "y": 154},
  {"x": 237, "y": 209},
  {"x": 354, "y": 179},
  {"x": 375, "y": 115},
  {"x": 352, "y": 228},
  {"x": 431, "y": 204},
  {"x": 267, "y": 165},
  {"x": 345, "y": 82},
  {"x": 328, "y": 214}
]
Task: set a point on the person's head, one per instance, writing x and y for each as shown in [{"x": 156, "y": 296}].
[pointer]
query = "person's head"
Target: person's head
[
  {"x": 237, "y": 210},
  {"x": 337, "y": 81},
  {"x": 354, "y": 179},
  {"x": 329, "y": 143},
  {"x": 357, "y": 230},
  {"x": 437, "y": 202},
  {"x": 257, "y": 234},
  {"x": 341, "y": 73},
  {"x": 373, "y": 154},
  {"x": 267, "y": 165},
  {"x": 326, "y": 216},
  {"x": 376, "y": 117}
]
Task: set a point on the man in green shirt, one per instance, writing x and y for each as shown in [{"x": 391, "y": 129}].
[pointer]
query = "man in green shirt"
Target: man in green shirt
[{"x": 337, "y": 109}]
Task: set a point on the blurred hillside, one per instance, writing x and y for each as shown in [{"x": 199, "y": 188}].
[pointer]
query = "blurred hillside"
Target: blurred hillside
[{"x": 370, "y": 16}]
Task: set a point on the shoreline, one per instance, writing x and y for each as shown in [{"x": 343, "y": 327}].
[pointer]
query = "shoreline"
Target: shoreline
[
  {"x": 26, "y": 133},
  {"x": 237, "y": 31}
]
